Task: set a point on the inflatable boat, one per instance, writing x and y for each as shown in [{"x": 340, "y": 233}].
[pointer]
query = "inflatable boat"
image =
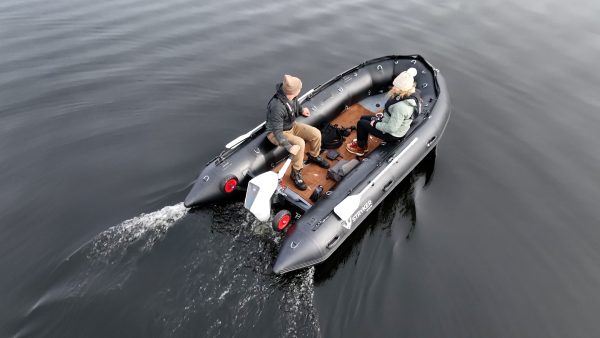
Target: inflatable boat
[{"x": 317, "y": 221}]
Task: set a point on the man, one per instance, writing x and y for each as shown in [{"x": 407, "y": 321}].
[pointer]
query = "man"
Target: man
[{"x": 283, "y": 130}]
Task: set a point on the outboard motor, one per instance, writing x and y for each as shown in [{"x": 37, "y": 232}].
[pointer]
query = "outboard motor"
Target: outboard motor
[{"x": 260, "y": 190}]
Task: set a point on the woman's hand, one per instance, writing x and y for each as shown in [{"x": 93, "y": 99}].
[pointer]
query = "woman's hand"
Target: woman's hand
[
  {"x": 373, "y": 123},
  {"x": 306, "y": 112}
]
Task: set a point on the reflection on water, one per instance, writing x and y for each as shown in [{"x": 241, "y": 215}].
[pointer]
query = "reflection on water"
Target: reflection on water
[{"x": 400, "y": 201}]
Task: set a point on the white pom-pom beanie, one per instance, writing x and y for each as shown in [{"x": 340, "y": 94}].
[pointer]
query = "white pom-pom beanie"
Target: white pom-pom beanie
[{"x": 405, "y": 80}]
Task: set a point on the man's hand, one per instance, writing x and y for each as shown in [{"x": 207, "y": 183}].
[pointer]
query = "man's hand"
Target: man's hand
[
  {"x": 306, "y": 112},
  {"x": 373, "y": 123},
  {"x": 294, "y": 149}
]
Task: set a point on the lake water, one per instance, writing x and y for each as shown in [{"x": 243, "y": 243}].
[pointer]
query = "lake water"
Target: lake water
[{"x": 109, "y": 109}]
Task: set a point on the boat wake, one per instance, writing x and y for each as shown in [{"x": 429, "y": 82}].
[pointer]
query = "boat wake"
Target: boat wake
[
  {"x": 151, "y": 227},
  {"x": 230, "y": 289},
  {"x": 209, "y": 275}
]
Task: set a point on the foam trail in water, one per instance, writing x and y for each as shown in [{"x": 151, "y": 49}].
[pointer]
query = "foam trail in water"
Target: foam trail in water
[
  {"x": 227, "y": 284},
  {"x": 151, "y": 226},
  {"x": 298, "y": 306}
]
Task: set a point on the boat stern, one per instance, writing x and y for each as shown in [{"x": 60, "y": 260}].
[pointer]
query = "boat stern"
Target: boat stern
[
  {"x": 297, "y": 253},
  {"x": 214, "y": 184}
]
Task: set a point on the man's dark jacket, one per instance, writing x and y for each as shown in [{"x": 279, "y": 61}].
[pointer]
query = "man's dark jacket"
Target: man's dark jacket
[{"x": 281, "y": 115}]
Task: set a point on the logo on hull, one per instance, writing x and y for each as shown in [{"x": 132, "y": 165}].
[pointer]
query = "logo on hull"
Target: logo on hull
[{"x": 366, "y": 207}]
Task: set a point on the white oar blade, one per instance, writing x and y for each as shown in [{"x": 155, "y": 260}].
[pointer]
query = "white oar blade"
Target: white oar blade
[
  {"x": 241, "y": 138},
  {"x": 347, "y": 207},
  {"x": 236, "y": 141}
]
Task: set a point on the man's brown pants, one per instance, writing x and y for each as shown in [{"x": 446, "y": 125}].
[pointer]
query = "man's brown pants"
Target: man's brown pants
[{"x": 300, "y": 134}]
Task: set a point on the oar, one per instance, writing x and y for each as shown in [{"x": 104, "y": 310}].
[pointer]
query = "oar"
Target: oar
[
  {"x": 347, "y": 207},
  {"x": 260, "y": 190},
  {"x": 241, "y": 138},
  {"x": 350, "y": 204}
]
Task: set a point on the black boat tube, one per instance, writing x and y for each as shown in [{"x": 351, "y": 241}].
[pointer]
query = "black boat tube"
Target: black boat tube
[{"x": 253, "y": 154}]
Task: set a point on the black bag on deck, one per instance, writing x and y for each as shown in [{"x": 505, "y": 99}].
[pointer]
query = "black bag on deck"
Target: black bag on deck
[{"x": 332, "y": 136}]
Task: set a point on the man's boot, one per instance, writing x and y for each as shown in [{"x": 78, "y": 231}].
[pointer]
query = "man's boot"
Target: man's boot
[
  {"x": 321, "y": 162},
  {"x": 296, "y": 176}
]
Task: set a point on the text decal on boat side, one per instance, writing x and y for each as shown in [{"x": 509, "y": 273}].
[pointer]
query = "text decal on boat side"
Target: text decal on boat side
[
  {"x": 366, "y": 207},
  {"x": 225, "y": 165}
]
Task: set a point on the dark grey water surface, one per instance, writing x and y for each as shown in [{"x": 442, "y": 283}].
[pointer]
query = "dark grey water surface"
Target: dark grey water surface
[{"x": 108, "y": 110}]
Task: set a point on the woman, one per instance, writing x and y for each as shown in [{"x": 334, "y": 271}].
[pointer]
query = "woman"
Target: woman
[{"x": 397, "y": 115}]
